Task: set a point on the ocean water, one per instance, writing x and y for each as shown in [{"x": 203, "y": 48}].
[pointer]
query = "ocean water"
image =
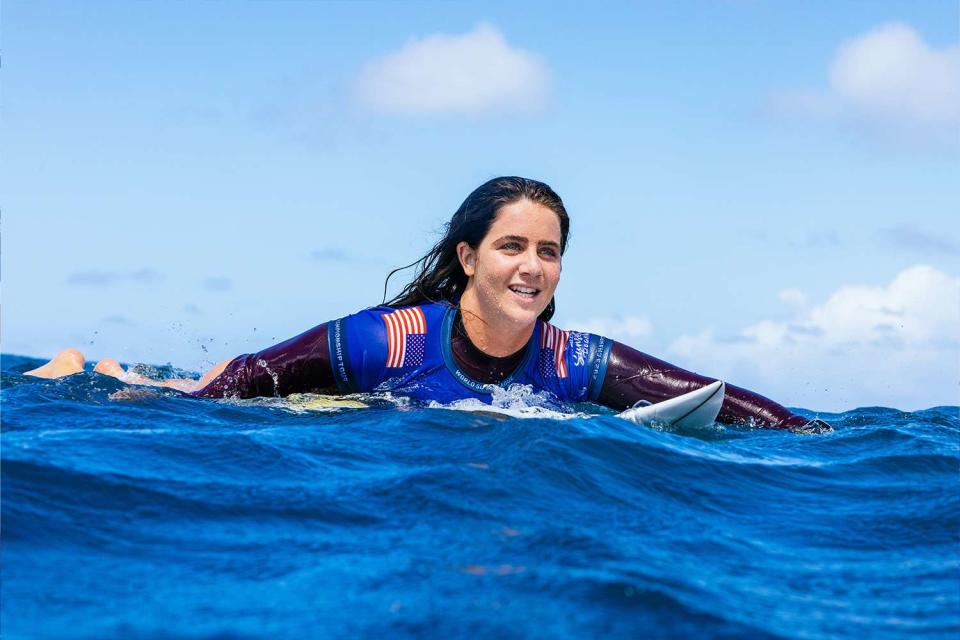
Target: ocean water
[{"x": 132, "y": 513}]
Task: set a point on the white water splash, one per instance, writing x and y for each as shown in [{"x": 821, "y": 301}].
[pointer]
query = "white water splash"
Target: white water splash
[
  {"x": 517, "y": 400},
  {"x": 273, "y": 374}
]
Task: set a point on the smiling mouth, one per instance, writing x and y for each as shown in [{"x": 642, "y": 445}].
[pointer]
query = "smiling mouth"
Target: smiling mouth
[{"x": 524, "y": 293}]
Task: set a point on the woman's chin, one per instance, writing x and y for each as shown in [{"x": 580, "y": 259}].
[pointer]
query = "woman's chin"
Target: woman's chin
[{"x": 523, "y": 316}]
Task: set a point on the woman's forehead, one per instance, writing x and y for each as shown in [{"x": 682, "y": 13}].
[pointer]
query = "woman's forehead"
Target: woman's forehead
[{"x": 526, "y": 219}]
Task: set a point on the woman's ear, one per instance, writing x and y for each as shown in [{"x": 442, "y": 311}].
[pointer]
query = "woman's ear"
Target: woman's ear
[{"x": 468, "y": 258}]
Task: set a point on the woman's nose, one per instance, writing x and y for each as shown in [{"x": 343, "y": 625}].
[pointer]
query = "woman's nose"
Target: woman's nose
[{"x": 530, "y": 265}]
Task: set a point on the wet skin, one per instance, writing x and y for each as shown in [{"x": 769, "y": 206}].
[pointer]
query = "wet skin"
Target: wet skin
[{"x": 520, "y": 253}]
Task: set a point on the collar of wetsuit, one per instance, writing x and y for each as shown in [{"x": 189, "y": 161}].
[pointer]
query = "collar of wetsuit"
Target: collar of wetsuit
[
  {"x": 476, "y": 364},
  {"x": 459, "y": 331}
]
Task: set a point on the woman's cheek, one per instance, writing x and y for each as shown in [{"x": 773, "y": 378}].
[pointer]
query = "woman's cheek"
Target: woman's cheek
[
  {"x": 555, "y": 274},
  {"x": 491, "y": 290}
]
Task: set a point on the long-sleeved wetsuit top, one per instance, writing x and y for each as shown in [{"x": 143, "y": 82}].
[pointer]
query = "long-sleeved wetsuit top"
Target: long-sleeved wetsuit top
[{"x": 613, "y": 374}]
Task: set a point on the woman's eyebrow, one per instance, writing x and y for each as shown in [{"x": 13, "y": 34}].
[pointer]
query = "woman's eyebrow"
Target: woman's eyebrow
[{"x": 550, "y": 243}]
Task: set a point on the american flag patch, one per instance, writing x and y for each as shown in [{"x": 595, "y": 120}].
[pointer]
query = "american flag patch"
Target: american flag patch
[
  {"x": 555, "y": 340},
  {"x": 406, "y": 337}
]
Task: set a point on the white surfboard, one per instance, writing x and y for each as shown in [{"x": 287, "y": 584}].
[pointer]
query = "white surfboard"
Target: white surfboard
[{"x": 695, "y": 409}]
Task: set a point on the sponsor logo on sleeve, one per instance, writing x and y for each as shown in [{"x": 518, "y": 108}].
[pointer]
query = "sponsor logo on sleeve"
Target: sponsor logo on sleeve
[
  {"x": 338, "y": 351},
  {"x": 581, "y": 346}
]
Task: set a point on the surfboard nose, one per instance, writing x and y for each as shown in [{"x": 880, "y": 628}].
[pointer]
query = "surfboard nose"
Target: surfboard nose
[
  {"x": 709, "y": 409},
  {"x": 697, "y": 408}
]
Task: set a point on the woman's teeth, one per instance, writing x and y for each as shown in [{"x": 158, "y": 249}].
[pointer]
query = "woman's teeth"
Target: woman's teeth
[{"x": 526, "y": 292}]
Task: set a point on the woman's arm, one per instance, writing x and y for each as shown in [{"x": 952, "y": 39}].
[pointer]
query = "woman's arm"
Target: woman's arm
[
  {"x": 297, "y": 365},
  {"x": 633, "y": 376}
]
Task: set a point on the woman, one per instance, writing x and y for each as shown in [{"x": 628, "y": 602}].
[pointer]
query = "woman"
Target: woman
[{"x": 476, "y": 315}]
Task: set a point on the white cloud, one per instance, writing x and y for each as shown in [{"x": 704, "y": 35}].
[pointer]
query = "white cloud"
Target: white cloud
[
  {"x": 793, "y": 297},
  {"x": 896, "y": 345},
  {"x": 466, "y": 74},
  {"x": 890, "y": 73},
  {"x": 888, "y": 77},
  {"x": 623, "y": 329},
  {"x": 910, "y": 238}
]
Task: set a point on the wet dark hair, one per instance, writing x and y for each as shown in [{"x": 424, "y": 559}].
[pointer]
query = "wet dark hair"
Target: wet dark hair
[{"x": 439, "y": 276}]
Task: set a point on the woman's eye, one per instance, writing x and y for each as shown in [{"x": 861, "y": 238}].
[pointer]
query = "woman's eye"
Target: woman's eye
[
  {"x": 550, "y": 252},
  {"x": 512, "y": 246}
]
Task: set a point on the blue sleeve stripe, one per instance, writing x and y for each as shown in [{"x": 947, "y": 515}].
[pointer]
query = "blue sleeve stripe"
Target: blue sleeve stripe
[{"x": 598, "y": 367}]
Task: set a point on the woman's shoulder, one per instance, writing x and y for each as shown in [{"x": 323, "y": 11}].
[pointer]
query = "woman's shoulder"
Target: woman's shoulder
[
  {"x": 551, "y": 335},
  {"x": 414, "y": 319},
  {"x": 383, "y": 309}
]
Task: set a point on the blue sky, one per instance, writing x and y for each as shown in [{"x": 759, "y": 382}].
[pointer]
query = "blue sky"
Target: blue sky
[{"x": 763, "y": 191}]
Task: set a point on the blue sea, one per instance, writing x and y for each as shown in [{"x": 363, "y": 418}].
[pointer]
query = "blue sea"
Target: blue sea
[{"x": 141, "y": 513}]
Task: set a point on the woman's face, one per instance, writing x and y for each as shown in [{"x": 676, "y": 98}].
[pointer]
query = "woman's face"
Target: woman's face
[{"x": 516, "y": 268}]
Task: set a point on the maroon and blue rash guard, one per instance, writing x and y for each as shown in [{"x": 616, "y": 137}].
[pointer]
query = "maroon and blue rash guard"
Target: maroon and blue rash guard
[
  {"x": 633, "y": 376},
  {"x": 303, "y": 364},
  {"x": 297, "y": 365}
]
